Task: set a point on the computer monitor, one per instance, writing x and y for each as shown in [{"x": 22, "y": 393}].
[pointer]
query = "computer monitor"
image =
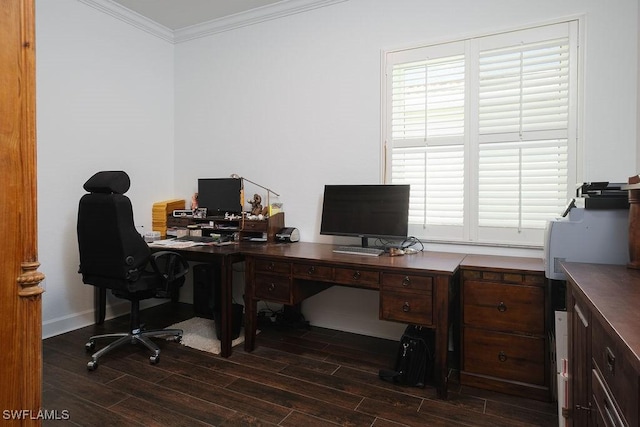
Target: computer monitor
[
  {"x": 377, "y": 211},
  {"x": 220, "y": 195}
]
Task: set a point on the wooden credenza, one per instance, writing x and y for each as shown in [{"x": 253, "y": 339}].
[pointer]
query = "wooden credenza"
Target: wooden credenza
[
  {"x": 503, "y": 326},
  {"x": 417, "y": 289},
  {"x": 603, "y": 311}
]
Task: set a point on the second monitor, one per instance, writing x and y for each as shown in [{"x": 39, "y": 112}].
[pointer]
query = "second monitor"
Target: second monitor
[{"x": 220, "y": 195}]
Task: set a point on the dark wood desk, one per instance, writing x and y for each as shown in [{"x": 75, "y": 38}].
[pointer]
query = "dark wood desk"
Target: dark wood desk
[
  {"x": 417, "y": 289},
  {"x": 223, "y": 257},
  {"x": 604, "y": 344}
]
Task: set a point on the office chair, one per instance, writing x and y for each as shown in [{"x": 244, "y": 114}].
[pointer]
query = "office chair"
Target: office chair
[{"x": 113, "y": 255}]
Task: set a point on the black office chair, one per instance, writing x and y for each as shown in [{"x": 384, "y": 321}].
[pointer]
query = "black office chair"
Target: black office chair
[{"x": 113, "y": 255}]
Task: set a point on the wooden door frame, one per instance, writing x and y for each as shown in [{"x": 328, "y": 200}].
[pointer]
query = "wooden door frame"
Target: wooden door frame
[{"x": 20, "y": 290}]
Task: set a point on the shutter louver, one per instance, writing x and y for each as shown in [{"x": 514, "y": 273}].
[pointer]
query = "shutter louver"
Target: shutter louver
[
  {"x": 522, "y": 185},
  {"x": 524, "y": 88},
  {"x": 436, "y": 176},
  {"x": 409, "y": 101}
]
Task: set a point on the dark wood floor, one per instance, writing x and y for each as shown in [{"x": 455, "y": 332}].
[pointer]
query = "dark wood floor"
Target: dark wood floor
[{"x": 295, "y": 377}]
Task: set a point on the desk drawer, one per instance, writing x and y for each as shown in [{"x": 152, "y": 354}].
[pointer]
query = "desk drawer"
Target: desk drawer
[
  {"x": 502, "y": 355},
  {"x": 273, "y": 288},
  {"x": 363, "y": 278},
  {"x": 504, "y": 307},
  {"x": 311, "y": 272},
  {"x": 178, "y": 221},
  {"x": 403, "y": 282},
  {"x": 275, "y": 267},
  {"x": 255, "y": 226},
  {"x": 407, "y": 307},
  {"x": 616, "y": 371}
]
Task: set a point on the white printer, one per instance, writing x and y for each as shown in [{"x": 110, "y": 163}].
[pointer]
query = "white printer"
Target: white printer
[{"x": 586, "y": 235}]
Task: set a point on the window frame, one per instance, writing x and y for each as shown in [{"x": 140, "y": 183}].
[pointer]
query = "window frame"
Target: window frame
[{"x": 470, "y": 232}]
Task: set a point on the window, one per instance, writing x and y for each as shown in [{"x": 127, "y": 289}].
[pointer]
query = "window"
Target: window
[{"x": 484, "y": 130}]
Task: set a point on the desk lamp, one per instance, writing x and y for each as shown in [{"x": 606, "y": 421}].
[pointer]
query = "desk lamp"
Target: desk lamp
[{"x": 269, "y": 191}]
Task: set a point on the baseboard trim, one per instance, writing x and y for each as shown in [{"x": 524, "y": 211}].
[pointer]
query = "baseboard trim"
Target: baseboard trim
[{"x": 64, "y": 324}]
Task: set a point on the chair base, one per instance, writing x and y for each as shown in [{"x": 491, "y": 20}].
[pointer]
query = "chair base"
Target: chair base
[{"x": 133, "y": 337}]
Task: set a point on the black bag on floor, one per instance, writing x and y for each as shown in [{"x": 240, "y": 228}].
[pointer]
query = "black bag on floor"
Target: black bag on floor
[{"x": 414, "y": 361}]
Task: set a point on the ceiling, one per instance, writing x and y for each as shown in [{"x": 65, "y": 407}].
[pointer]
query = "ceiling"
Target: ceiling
[{"x": 177, "y": 14}]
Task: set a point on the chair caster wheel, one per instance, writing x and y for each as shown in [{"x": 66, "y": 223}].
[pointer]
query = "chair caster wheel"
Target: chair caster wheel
[
  {"x": 178, "y": 339},
  {"x": 92, "y": 365},
  {"x": 90, "y": 346},
  {"x": 154, "y": 359}
]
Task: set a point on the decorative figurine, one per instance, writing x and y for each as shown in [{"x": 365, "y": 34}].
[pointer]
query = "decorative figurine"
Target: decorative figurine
[
  {"x": 194, "y": 201},
  {"x": 256, "y": 204}
]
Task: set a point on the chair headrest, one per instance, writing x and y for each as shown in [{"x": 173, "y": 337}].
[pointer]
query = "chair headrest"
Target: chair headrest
[{"x": 108, "y": 182}]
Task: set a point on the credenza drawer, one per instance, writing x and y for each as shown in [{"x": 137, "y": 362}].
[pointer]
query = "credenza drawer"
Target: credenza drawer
[
  {"x": 276, "y": 267},
  {"x": 311, "y": 271},
  {"x": 513, "y": 308},
  {"x": 272, "y": 288},
  {"x": 503, "y": 355},
  {"x": 517, "y": 277},
  {"x": 363, "y": 278},
  {"x": 616, "y": 371},
  {"x": 607, "y": 413},
  {"x": 407, "y": 307}
]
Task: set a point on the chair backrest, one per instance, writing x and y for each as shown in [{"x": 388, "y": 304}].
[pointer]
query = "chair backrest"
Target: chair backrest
[{"x": 112, "y": 252}]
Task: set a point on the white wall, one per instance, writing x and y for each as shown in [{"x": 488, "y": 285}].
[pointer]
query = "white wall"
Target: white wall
[
  {"x": 104, "y": 102},
  {"x": 294, "y": 104}
]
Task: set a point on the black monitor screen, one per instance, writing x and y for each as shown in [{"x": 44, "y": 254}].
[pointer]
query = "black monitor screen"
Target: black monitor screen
[
  {"x": 366, "y": 210},
  {"x": 219, "y": 195}
]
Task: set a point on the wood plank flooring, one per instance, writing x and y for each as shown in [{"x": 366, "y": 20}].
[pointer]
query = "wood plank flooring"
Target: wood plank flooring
[{"x": 295, "y": 377}]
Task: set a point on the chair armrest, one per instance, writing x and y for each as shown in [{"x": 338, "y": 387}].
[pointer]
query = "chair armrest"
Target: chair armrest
[{"x": 170, "y": 267}]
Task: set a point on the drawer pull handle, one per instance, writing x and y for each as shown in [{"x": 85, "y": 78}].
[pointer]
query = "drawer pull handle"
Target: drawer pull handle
[
  {"x": 406, "y": 307},
  {"x": 607, "y": 410},
  {"x": 271, "y": 266},
  {"x": 502, "y": 356},
  {"x": 406, "y": 281},
  {"x": 272, "y": 287},
  {"x": 311, "y": 270},
  {"x": 356, "y": 275},
  {"x": 502, "y": 307},
  {"x": 611, "y": 360}
]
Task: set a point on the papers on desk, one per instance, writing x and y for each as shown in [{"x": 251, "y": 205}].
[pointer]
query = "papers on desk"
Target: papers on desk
[
  {"x": 179, "y": 244},
  {"x": 173, "y": 243}
]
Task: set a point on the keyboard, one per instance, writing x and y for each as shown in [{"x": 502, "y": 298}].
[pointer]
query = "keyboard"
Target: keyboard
[
  {"x": 358, "y": 250},
  {"x": 198, "y": 239}
]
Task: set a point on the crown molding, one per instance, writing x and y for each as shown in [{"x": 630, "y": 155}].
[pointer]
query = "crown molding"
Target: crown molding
[
  {"x": 132, "y": 18},
  {"x": 250, "y": 17},
  {"x": 238, "y": 20}
]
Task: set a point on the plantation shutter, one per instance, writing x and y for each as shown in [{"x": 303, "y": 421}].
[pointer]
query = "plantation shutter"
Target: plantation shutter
[
  {"x": 427, "y": 130},
  {"x": 523, "y": 127},
  {"x": 484, "y": 132}
]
